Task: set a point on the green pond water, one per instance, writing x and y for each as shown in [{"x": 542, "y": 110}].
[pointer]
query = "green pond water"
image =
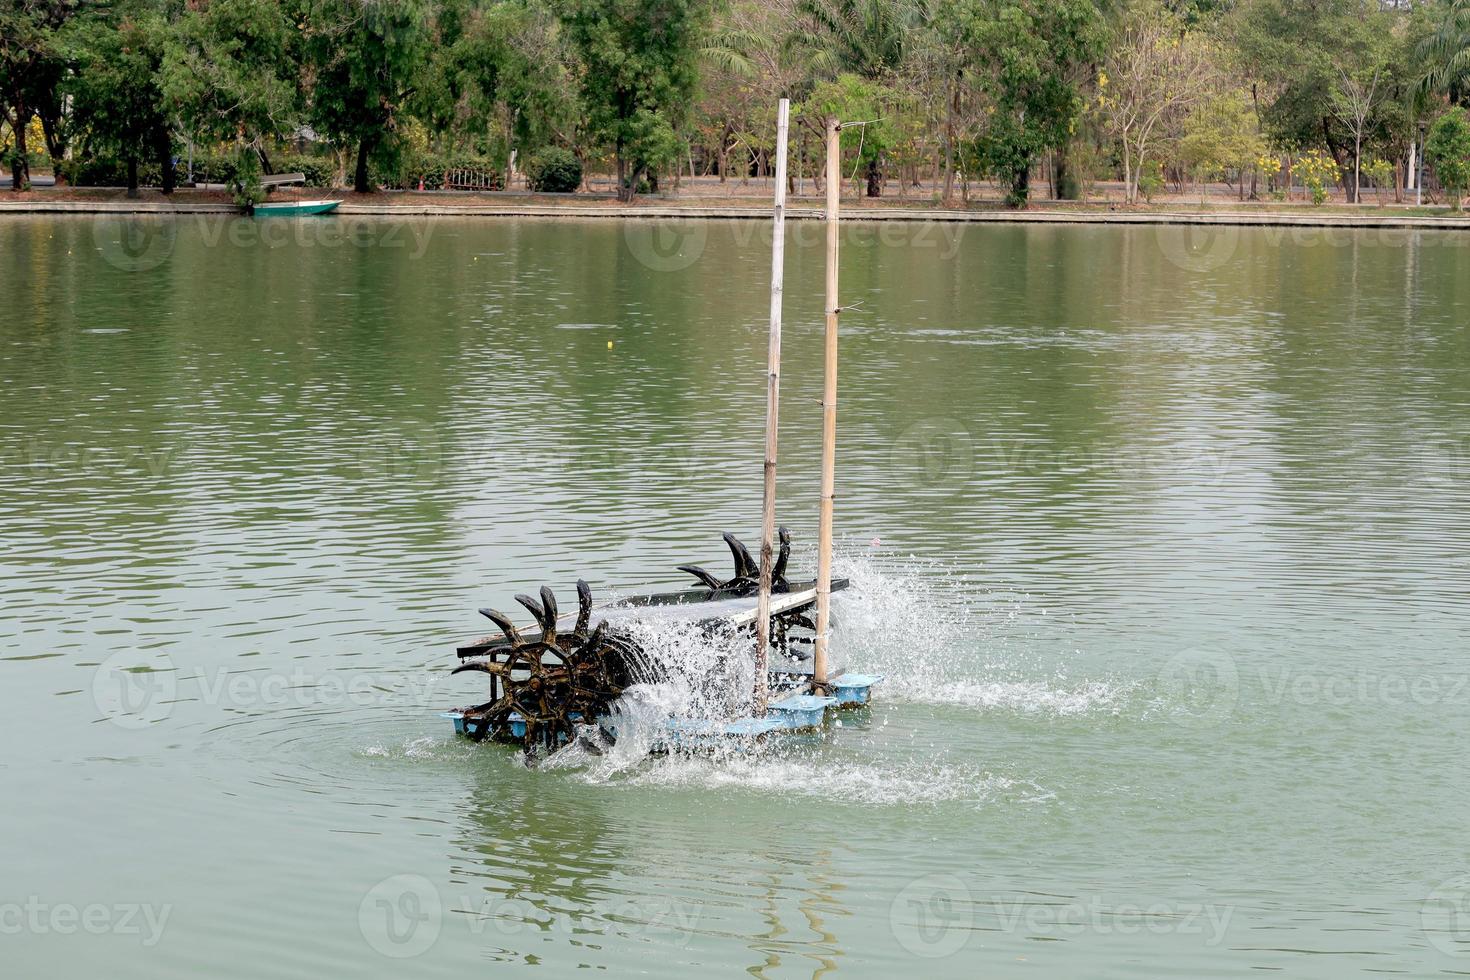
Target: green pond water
[{"x": 1161, "y": 537}]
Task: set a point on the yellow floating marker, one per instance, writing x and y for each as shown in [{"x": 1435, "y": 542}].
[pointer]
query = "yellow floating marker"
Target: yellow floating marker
[{"x": 609, "y": 345}]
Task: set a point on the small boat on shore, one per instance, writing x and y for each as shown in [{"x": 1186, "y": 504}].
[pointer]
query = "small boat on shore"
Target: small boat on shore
[{"x": 293, "y": 209}]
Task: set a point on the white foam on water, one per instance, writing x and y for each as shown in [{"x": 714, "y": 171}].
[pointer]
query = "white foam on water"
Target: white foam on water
[
  {"x": 423, "y": 748},
  {"x": 869, "y": 784},
  {"x": 914, "y": 621},
  {"x": 927, "y": 629}
]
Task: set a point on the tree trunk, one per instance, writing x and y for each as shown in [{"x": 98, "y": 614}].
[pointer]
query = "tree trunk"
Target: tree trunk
[
  {"x": 132, "y": 176},
  {"x": 360, "y": 175},
  {"x": 55, "y": 146},
  {"x": 163, "y": 148},
  {"x": 1020, "y": 186},
  {"x": 1357, "y": 169},
  {"x": 1337, "y": 156},
  {"x": 1069, "y": 188},
  {"x": 635, "y": 179},
  {"x": 875, "y": 179},
  {"x": 949, "y": 108},
  {"x": 1130, "y": 190},
  {"x": 20, "y": 171}
]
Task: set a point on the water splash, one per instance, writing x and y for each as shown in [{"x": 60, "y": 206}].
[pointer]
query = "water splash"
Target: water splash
[
  {"x": 929, "y": 630},
  {"x": 933, "y": 633},
  {"x": 886, "y": 783}
]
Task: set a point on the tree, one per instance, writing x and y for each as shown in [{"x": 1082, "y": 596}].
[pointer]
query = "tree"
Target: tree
[
  {"x": 1299, "y": 55},
  {"x": 859, "y": 37},
  {"x": 1155, "y": 74},
  {"x": 1448, "y": 149},
  {"x": 118, "y": 54},
  {"x": 854, "y": 99},
  {"x": 1445, "y": 52},
  {"x": 1221, "y": 134},
  {"x": 638, "y": 76},
  {"x": 366, "y": 57},
  {"x": 32, "y": 66},
  {"x": 868, "y": 40},
  {"x": 460, "y": 90},
  {"x": 1354, "y": 101},
  {"x": 231, "y": 72},
  {"x": 1025, "y": 54},
  {"x": 753, "y": 55}
]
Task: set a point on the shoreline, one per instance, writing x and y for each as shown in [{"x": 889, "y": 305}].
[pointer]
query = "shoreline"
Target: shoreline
[{"x": 1080, "y": 214}]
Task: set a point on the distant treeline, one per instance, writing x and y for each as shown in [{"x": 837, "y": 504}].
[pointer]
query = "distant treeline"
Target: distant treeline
[{"x": 1267, "y": 95}]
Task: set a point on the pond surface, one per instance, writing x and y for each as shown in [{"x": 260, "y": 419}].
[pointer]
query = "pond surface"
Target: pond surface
[{"x": 1161, "y": 537}]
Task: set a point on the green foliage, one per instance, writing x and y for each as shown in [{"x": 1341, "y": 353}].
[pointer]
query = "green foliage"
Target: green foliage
[
  {"x": 245, "y": 187},
  {"x": 232, "y": 69},
  {"x": 1150, "y": 180},
  {"x": 106, "y": 170},
  {"x": 414, "y": 87},
  {"x": 851, "y": 98},
  {"x": 1448, "y": 149},
  {"x": 1221, "y": 136},
  {"x": 868, "y": 38},
  {"x": 118, "y": 53},
  {"x": 639, "y": 71},
  {"x": 1028, "y": 54},
  {"x": 318, "y": 171},
  {"x": 1313, "y": 61},
  {"x": 33, "y": 66},
  {"x": 1444, "y": 50},
  {"x": 554, "y": 170},
  {"x": 437, "y": 171},
  {"x": 365, "y": 56},
  {"x": 1380, "y": 172}
]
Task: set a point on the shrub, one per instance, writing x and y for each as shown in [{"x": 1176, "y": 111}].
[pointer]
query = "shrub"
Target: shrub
[
  {"x": 1448, "y": 148},
  {"x": 554, "y": 170},
  {"x": 1151, "y": 181},
  {"x": 319, "y": 171},
  {"x": 1316, "y": 169},
  {"x": 438, "y": 172},
  {"x": 1380, "y": 172},
  {"x": 93, "y": 171},
  {"x": 245, "y": 186}
]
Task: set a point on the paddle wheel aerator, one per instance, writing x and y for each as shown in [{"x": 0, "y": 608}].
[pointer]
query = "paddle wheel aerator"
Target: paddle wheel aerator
[{"x": 566, "y": 672}]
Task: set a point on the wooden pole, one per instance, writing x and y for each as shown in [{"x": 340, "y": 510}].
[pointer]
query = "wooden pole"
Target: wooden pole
[
  {"x": 829, "y": 411},
  {"x": 773, "y": 402}
]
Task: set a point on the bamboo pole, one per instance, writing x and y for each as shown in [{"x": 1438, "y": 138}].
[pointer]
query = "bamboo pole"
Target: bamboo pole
[
  {"x": 773, "y": 401},
  {"x": 829, "y": 412}
]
